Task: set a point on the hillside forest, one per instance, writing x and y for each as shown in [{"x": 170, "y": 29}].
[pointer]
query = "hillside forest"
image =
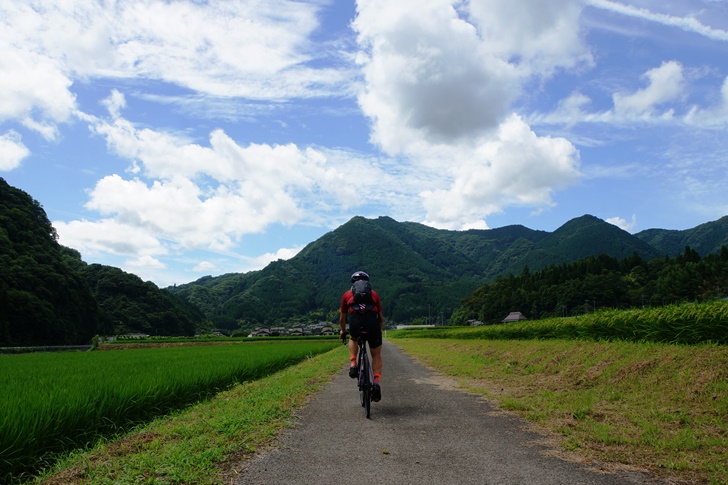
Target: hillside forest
[
  {"x": 599, "y": 282},
  {"x": 50, "y": 296}
]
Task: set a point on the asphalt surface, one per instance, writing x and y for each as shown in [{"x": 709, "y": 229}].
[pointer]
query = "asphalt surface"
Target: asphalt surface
[{"x": 420, "y": 432}]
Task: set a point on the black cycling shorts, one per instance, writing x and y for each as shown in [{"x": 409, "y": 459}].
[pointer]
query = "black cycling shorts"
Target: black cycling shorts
[{"x": 365, "y": 324}]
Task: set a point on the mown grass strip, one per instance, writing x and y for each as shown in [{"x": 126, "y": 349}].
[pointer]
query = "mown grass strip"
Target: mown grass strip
[
  {"x": 654, "y": 406},
  {"x": 687, "y": 323},
  {"x": 54, "y": 402},
  {"x": 207, "y": 443}
]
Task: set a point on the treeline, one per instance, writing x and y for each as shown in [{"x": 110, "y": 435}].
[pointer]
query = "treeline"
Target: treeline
[
  {"x": 599, "y": 282},
  {"x": 49, "y": 296}
]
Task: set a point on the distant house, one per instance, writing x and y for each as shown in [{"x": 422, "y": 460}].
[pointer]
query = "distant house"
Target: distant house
[
  {"x": 514, "y": 317},
  {"x": 261, "y": 332}
]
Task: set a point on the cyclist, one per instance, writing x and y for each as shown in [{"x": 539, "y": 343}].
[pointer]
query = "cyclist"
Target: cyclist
[{"x": 374, "y": 322}]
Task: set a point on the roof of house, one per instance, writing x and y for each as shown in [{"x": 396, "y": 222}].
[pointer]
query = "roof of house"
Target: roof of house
[{"x": 514, "y": 317}]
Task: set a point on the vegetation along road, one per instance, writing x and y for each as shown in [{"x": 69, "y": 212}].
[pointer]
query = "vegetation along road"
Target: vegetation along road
[
  {"x": 598, "y": 411},
  {"x": 423, "y": 431}
]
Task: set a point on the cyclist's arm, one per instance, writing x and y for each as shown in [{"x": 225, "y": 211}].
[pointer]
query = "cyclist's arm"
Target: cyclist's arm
[
  {"x": 342, "y": 322},
  {"x": 378, "y": 301}
]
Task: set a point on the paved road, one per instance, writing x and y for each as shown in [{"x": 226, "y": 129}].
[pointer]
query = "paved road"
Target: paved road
[{"x": 421, "y": 432}]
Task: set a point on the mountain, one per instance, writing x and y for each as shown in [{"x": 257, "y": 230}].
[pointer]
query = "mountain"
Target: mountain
[
  {"x": 43, "y": 301},
  {"x": 419, "y": 271},
  {"x": 49, "y": 296},
  {"x": 705, "y": 239}
]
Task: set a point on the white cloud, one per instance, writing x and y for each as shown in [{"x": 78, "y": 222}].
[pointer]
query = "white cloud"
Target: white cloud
[
  {"x": 33, "y": 88},
  {"x": 242, "y": 49},
  {"x": 666, "y": 83},
  {"x": 108, "y": 236},
  {"x": 690, "y": 23},
  {"x": 623, "y": 224},
  {"x": 546, "y": 35},
  {"x": 205, "y": 267},
  {"x": 187, "y": 195},
  {"x": 658, "y": 102},
  {"x": 515, "y": 168},
  {"x": 12, "y": 151},
  {"x": 263, "y": 260},
  {"x": 144, "y": 263},
  {"x": 428, "y": 76},
  {"x": 256, "y": 50},
  {"x": 715, "y": 116},
  {"x": 446, "y": 76},
  {"x": 440, "y": 88}
]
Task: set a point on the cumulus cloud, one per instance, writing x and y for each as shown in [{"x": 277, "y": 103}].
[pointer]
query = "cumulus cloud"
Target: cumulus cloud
[
  {"x": 624, "y": 224},
  {"x": 656, "y": 102},
  {"x": 205, "y": 267},
  {"x": 264, "y": 259},
  {"x": 715, "y": 116},
  {"x": 440, "y": 89},
  {"x": 12, "y": 151},
  {"x": 546, "y": 36},
  {"x": 108, "y": 236},
  {"x": 666, "y": 83},
  {"x": 515, "y": 168},
  {"x": 33, "y": 89},
  {"x": 447, "y": 75},
  {"x": 184, "y": 194},
  {"x": 428, "y": 76}
]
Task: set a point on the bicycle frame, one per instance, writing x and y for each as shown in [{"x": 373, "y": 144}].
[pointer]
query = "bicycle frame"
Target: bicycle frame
[{"x": 366, "y": 378}]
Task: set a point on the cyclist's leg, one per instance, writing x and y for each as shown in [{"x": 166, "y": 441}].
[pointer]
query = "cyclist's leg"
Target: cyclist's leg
[
  {"x": 376, "y": 360},
  {"x": 353, "y": 346},
  {"x": 375, "y": 344}
]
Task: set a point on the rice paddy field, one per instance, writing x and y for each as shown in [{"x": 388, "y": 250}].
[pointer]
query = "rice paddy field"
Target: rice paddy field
[
  {"x": 686, "y": 324},
  {"x": 55, "y": 402}
]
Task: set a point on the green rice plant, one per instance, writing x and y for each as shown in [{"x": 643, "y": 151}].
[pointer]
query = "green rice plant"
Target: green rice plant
[
  {"x": 53, "y": 402},
  {"x": 687, "y": 323}
]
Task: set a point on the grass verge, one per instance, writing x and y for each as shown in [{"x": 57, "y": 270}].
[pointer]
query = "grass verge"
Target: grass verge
[
  {"x": 207, "y": 443},
  {"x": 653, "y": 406}
]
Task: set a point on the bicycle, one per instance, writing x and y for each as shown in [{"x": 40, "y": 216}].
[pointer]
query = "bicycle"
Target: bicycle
[{"x": 365, "y": 378}]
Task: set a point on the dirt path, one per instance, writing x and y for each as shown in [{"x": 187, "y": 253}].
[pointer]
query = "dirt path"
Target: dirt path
[{"x": 421, "y": 432}]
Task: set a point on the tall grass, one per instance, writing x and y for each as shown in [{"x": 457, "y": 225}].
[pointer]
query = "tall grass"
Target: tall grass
[
  {"x": 675, "y": 324},
  {"x": 655, "y": 406},
  {"x": 52, "y": 402}
]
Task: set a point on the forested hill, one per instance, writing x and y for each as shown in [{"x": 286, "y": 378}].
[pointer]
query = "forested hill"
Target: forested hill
[
  {"x": 49, "y": 296},
  {"x": 705, "y": 239},
  {"x": 43, "y": 301},
  {"x": 419, "y": 271}
]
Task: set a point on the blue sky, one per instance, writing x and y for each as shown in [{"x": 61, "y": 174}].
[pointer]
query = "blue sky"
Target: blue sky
[{"x": 189, "y": 138}]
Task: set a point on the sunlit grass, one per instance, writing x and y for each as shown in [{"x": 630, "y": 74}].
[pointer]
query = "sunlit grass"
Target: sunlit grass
[
  {"x": 688, "y": 323},
  {"x": 656, "y": 406},
  {"x": 52, "y": 402},
  {"x": 207, "y": 443}
]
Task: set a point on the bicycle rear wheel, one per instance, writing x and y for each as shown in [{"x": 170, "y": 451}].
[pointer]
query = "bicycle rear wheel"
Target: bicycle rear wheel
[
  {"x": 366, "y": 388},
  {"x": 368, "y": 401}
]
